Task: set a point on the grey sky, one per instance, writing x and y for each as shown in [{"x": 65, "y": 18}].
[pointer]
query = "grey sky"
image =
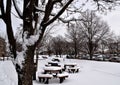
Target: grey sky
[{"x": 113, "y": 19}]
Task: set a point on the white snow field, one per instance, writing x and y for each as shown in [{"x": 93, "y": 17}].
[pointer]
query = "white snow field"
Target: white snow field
[{"x": 90, "y": 73}]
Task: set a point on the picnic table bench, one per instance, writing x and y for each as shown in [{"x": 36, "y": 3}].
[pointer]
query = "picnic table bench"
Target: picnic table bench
[
  {"x": 62, "y": 76},
  {"x": 44, "y": 78},
  {"x": 73, "y": 69}
]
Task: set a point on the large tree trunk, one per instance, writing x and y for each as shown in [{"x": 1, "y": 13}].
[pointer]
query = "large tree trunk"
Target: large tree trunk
[{"x": 25, "y": 74}]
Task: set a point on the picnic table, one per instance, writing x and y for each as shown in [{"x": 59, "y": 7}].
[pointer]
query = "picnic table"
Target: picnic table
[
  {"x": 52, "y": 72},
  {"x": 71, "y": 67}
]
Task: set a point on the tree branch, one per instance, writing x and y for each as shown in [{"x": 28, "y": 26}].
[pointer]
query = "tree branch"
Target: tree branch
[
  {"x": 59, "y": 13},
  {"x": 15, "y": 15},
  {"x": 17, "y": 9},
  {"x": 9, "y": 28},
  {"x": 60, "y": 18},
  {"x": 2, "y": 9},
  {"x": 1, "y": 16},
  {"x": 57, "y": 1},
  {"x": 48, "y": 10}
]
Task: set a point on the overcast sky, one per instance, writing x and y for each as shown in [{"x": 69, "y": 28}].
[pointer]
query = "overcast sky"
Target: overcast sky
[{"x": 113, "y": 19}]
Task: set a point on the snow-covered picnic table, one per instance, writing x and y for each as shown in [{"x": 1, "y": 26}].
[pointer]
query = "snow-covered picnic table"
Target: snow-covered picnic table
[
  {"x": 71, "y": 67},
  {"x": 52, "y": 72}
]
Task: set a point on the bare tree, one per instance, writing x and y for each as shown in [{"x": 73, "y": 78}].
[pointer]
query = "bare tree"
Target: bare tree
[
  {"x": 103, "y": 46},
  {"x": 117, "y": 45},
  {"x": 58, "y": 45},
  {"x": 75, "y": 36},
  {"x": 94, "y": 30},
  {"x": 113, "y": 44},
  {"x": 49, "y": 47},
  {"x": 34, "y": 25}
]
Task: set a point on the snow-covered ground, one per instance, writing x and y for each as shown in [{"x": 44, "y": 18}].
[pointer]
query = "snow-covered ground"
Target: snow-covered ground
[
  {"x": 91, "y": 73},
  {"x": 8, "y": 74}
]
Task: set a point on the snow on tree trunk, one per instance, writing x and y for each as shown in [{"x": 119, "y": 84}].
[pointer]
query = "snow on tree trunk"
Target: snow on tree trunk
[
  {"x": 26, "y": 72},
  {"x": 28, "y": 66}
]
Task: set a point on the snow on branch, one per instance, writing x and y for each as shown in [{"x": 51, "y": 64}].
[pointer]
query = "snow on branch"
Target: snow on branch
[
  {"x": 106, "y": 4},
  {"x": 59, "y": 13},
  {"x": 64, "y": 20}
]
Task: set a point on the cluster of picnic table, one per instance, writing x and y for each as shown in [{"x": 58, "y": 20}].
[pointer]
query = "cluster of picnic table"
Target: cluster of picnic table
[{"x": 54, "y": 70}]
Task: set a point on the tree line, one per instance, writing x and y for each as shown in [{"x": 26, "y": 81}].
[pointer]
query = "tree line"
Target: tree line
[{"x": 90, "y": 36}]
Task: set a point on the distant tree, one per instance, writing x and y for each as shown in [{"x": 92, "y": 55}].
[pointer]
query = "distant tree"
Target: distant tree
[
  {"x": 113, "y": 44},
  {"x": 110, "y": 45},
  {"x": 117, "y": 45},
  {"x": 58, "y": 45},
  {"x": 94, "y": 30},
  {"x": 102, "y": 46},
  {"x": 75, "y": 37},
  {"x": 47, "y": 44}
]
